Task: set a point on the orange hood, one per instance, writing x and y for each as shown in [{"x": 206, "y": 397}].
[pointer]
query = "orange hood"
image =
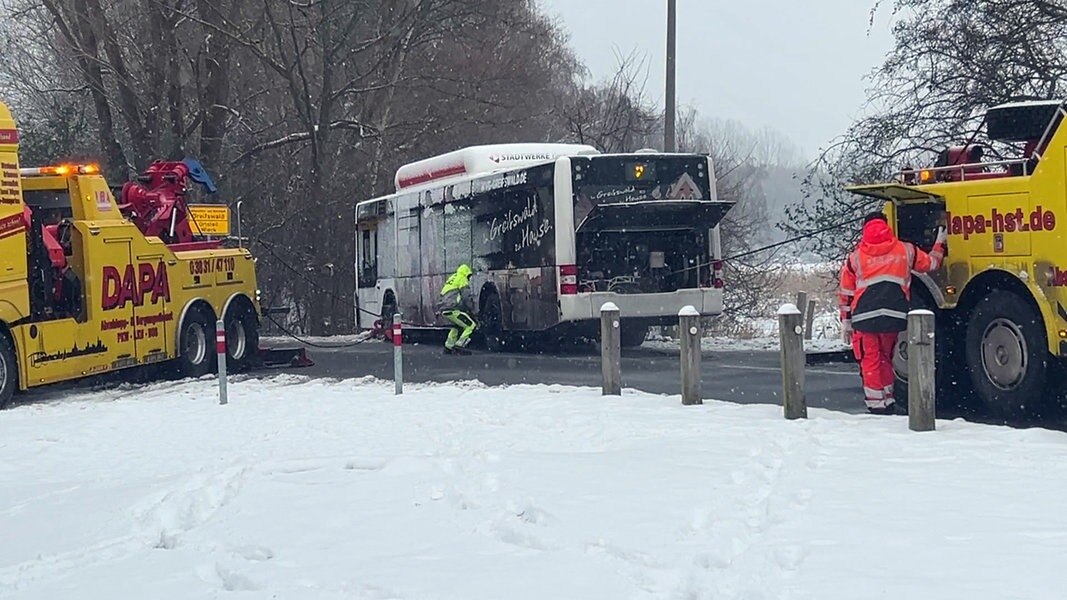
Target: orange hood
[{"x": 877, "y": 238}]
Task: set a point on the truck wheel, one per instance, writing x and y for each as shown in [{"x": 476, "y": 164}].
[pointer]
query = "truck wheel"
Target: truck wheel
[
  {"x": 9, "y": 375},
  {"x": 1007, "y": 356},
  {"x": 242, "y": 339},
  {"x": 197, "y": 356}
]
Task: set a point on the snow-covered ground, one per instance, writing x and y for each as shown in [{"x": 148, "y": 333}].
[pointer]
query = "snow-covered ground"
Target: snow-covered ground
[
  {"x": 326, "y": 340},
  {"x": 338, "y": 489},
  {"x": 826, "y": 337}
]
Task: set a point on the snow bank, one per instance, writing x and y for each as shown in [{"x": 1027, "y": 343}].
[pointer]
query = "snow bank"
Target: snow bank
[
  {"x": 338, "y": 489},
  {"x": 758, "y": 344},
  {"x": 826, "y": 334}
]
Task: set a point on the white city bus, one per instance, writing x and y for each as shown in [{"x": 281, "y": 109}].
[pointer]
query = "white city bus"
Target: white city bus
[{"x": 552, "y": 232}]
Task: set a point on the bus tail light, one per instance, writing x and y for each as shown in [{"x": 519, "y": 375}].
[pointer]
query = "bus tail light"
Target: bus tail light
[
  {"x": 568, "y": 279},
  {"x": 716, "y": 275}
]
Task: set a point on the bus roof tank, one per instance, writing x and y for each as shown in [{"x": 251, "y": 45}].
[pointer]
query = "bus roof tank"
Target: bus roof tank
[{"x": 477, "y": 160}]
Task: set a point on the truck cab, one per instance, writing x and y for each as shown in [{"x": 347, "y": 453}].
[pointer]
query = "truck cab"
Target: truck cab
[
  {"x": 1001, "y": 295},
  {"x": 91, "y": 282}
]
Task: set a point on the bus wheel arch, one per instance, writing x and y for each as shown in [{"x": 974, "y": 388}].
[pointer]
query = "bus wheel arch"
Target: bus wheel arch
[
  {"x": 9, "y": 366},
  {"x": 195, "y": 336},
  {"x": 242, "y": 332},
  {"x": 389, "y": 308},
  {"x": 1006, "y": 347}
]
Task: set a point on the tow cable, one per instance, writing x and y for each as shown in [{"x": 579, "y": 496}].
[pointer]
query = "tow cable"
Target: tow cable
[{"x": 792, "y": 240}]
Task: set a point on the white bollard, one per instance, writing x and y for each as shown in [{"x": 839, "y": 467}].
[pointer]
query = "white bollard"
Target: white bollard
[
  {"x": 220, "y": 349},
  {"x": 398, "y": 358}
]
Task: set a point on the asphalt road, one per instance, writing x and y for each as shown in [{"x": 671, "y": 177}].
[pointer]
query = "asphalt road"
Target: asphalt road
[{"x": 745, "y": 377}]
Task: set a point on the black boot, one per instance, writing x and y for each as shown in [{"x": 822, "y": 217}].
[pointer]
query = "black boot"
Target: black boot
[{"x": 888, "y": 410}]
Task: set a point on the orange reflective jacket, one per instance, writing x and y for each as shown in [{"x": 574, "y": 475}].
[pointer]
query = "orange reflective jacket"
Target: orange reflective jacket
[{"x": 876, "y": 279}]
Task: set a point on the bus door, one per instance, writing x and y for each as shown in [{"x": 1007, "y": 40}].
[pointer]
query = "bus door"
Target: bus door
[
  {"x": 368, "y": 297},
  {"x": 371, "y": 229},
  {"x": 409, "y": 258}
]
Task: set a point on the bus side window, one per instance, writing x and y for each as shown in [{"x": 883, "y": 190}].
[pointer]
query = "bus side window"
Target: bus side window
[
  {"x": 457, "y": 235},
  {"x": 368, "y": 252}
]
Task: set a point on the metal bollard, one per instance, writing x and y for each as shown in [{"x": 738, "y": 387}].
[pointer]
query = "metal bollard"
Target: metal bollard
[
  {"x": 220, "y": 349},
  {"x": 790, "y": 333},
  {"x": 921, "y": 382},
  {"x": 398, "y": 357},
  {"x": 689, "y": 334},
  {"x": 610, "y": 350}
]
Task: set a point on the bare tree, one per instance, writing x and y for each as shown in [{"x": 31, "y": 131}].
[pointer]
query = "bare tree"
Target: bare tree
[
  {"x": 742, "y": 160},
  {"x": 615, "y": 116},
  {"x": 951, "y": 60}
]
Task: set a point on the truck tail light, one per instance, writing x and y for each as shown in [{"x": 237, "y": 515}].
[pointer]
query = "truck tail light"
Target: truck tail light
[{"x": 568, "y": 280}]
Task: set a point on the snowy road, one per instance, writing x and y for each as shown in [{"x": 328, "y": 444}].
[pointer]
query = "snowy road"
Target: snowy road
[
  {"x": 337, "y": 489},
  {"x": 746, "y": 377}
]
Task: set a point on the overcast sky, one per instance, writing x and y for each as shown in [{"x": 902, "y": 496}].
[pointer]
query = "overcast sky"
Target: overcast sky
[{"x": 797, "y": 66}]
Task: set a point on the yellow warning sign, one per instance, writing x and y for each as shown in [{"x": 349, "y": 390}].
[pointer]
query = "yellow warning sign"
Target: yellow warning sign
[{"x": 209, "y": 219}]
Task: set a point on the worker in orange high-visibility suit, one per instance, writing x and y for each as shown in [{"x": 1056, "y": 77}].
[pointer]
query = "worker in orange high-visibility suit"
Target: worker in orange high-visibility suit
[{"x": 875, "y": 299}]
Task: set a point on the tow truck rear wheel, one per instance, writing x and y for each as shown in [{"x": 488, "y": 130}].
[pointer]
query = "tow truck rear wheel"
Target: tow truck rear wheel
[
  {"x": 1007, "y": 356},
  {"x": 242, "y": 338},
  {"x": 9, "y": 380},
  {"x": 951, "y": 383},
  {"x": 197, "y": 357}
]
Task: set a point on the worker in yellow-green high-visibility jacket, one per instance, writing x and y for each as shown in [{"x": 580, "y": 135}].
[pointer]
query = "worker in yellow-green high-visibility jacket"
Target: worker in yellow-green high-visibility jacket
[{"x": 454, "y": 304}]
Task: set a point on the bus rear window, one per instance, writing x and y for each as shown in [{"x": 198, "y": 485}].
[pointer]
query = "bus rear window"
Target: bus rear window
[
  {"x": 614, "y": 180},
  {"x": 642, "y": 172}
]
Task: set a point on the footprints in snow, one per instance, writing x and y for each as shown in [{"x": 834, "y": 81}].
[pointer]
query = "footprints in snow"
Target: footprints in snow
[{"x": 743, "y": 558}]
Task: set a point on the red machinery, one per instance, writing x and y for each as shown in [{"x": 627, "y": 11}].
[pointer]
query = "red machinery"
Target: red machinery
[{"x": 155, "y": 202}]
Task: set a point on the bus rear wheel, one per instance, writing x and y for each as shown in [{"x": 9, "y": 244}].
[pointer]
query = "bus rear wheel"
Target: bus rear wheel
[
  {"x": 1007, "y": 356},
  {"x": 8, "y": 371},
  {"x": 632, "y": 336},
  {"x": 490, "y": 322}
]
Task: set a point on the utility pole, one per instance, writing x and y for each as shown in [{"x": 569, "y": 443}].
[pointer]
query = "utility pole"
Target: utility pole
[{"x": 668, "y": 127}]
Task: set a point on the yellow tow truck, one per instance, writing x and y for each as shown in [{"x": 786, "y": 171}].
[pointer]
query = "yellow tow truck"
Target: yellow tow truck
[
  {"x": 92, "y": 281},
  {"x": 1001, "y": 297}
]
